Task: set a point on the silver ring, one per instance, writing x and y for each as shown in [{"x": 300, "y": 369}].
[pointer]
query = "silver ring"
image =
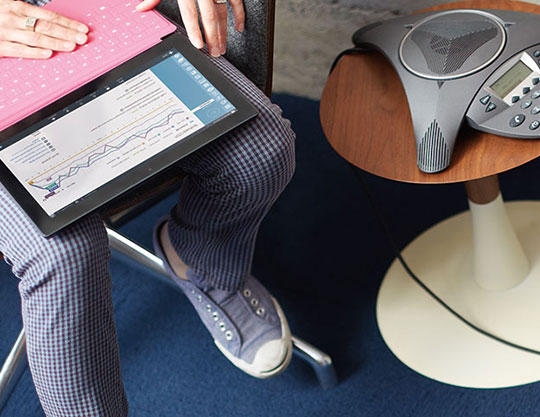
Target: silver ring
[
  {"x": 220, "y": 1},
  {"x": 30, "y": 24}
]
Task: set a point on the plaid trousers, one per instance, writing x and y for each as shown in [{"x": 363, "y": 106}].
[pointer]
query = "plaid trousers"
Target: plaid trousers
[{"x": 65, "y": 284}]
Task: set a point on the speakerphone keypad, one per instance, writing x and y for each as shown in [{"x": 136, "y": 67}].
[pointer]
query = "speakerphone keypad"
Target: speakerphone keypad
[{"x": 518, "y": 114}]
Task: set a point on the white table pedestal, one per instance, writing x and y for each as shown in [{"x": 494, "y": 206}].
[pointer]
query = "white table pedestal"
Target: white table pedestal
[{"x": 492, "y": 279}]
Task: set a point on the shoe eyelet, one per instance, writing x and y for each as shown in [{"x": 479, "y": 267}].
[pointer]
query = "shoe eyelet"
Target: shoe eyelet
[
  {"x": 208, "y": 308},
  {"x": 228, "y": 335},
  {"x": 192, "y": 291},
  {"x": 215, "y": 315},
  {"x": 247, "y": 293},
  {"x": 199, "y": 298},
  {"x": 260, "y": 311},
  {"x": 221, "y": 326},
  {"x": 254, "y": 302}
]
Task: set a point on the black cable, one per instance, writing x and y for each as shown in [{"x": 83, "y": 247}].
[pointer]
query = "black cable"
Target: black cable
[
  {"x": 350, "y": 51},
  {"x": 377, "y": 211}
]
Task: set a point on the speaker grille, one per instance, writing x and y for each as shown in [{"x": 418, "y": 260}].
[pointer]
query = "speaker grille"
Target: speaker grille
[
  {"x": 446, "y": 48},
  {"x": 452, "y": 44},
  {"x": 433, "y": 154}
]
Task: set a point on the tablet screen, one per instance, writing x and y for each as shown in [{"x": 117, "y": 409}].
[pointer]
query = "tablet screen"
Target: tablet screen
[{"x": 70, "y": 154}]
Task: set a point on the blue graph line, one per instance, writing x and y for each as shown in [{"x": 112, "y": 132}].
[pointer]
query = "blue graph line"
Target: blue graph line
[{"x": 107, "y": 149}]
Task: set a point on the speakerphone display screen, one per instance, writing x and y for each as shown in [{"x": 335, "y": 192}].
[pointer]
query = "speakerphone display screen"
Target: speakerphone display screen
[{"x": 511, "y": 79}]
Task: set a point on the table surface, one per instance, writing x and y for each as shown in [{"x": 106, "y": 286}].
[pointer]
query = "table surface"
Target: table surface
[{"x": 366, "y": 119}]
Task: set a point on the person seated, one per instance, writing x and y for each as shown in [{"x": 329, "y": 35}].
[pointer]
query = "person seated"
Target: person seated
[{"x": 206, "y": 241}]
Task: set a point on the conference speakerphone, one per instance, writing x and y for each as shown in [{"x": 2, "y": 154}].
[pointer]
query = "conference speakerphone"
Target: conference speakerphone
[{"x": 479, "y": 66}]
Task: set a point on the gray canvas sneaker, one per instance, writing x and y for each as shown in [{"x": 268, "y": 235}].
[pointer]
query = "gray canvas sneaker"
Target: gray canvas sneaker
[{"x": 248, "y": 326}]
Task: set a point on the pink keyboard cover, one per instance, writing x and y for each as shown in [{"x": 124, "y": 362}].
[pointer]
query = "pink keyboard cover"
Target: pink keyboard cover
[{"x": 117, "y": 33}]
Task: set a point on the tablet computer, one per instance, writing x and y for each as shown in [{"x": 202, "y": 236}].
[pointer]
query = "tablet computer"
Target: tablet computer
[{"x": 89, "y": 147}]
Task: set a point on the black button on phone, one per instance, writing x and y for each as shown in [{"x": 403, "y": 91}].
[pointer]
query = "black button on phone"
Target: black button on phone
[
  {"x": 491, "y": 106},
  {"x": 517, "y": 120}
]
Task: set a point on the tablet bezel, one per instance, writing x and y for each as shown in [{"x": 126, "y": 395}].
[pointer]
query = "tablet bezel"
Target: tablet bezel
[{"x": 135, "y": 176}]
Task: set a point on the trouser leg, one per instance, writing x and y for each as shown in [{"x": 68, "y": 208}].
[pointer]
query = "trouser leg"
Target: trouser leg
[
  {"x": 232, "y": 185},
  {"x": 65, "y": 290}
]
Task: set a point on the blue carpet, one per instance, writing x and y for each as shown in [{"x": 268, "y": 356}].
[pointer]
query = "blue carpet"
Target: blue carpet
[{"x": 322, "y": 254}]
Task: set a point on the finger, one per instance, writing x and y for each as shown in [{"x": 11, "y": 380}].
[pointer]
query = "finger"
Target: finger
[
  {"x": 221, "y": 11},
  {"x": 209, "y": 20},
  {"x": 190, "y": 18},
  {"x": 239, "y": 13},
  {"x": 60, "y": 32},
  {"x": 147, "y": 5},
  {"x": 38, "y": 40},
  {"x": 52, "y": 30},
  {"x": 17, "y": 50},
  {"x": 23, "y": 9}
]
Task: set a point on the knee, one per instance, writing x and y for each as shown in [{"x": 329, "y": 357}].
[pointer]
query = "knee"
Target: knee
[
  {"x": 251, "y": 165},
  {"x": 73, "y": 261},
  {"x": 270, "y": 152}
]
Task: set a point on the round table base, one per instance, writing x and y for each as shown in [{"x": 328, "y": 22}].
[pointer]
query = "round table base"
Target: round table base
[{"x": 433, "y": 342}]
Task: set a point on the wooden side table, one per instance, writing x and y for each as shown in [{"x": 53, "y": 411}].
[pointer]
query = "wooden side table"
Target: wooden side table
[{"x": 485, "y": 263}]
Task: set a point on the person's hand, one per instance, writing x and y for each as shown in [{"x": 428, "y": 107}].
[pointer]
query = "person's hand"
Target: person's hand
[
  {"x": 213, "y": 18},
  {"x": 52, "y": 31}
]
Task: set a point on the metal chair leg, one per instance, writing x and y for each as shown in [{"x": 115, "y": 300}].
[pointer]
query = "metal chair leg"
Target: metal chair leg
[
  {"x": 319, "y": 361},
  {"x": 12, "y": 369}
]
